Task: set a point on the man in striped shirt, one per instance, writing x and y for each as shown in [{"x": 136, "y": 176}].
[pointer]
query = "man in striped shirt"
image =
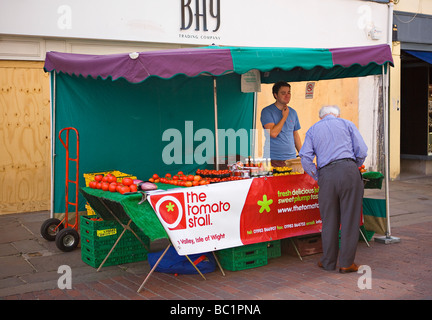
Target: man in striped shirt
[{"x": 340, "y": 150}]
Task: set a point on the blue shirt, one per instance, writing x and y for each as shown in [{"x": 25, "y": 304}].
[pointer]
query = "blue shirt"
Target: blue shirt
[
  {"x": 331, "y": 139},
  {"x": 282, "y": 147}
]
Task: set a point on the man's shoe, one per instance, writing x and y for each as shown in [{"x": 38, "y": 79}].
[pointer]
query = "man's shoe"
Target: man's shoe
[{"x": 351, "y": 268}]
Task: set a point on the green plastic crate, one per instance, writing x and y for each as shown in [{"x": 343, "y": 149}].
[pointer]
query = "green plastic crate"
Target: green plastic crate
[
  {"x": 121, "y": 249},
  {"x": 96, "y": 261},
  {"x": 106, "y": 230},
  {"x": 237, "y": 265},
  {"x": 274, "y": 249},
  {"x": 99, "y": 236},
  {"x": 243, "y": 257},
  {"x": 247, "y": 251}
]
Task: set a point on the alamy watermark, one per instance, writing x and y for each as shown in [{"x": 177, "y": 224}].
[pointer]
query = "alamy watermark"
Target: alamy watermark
[
  {"x": 65, "y": 280},
  {"x": 199, "y": 146},
  {"x": 365, "y": 280}
]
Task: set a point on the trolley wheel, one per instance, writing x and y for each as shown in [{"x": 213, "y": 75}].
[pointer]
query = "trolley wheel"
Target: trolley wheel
[
  {"x": 67, "y": 239},
  {"x": 50, "y": 228}
]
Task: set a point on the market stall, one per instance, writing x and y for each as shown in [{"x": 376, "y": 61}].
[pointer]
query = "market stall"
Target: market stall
[{"x": 129, "y": 108}]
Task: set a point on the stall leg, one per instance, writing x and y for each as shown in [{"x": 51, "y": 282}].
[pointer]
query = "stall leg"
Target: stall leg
[
  {"x": 113, "y": 247},
  {"x": 364, "y": 238},
  {"x": 218, "y": 263},
  {"x": 295, "y": 248},
  {"x": 126, "y": 227},
  {"x": 154, "y": 267},
  {"x": 196, "y": 268}
]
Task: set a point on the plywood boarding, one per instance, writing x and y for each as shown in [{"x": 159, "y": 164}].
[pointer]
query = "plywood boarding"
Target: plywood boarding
[
  {"x": 24, "y": 137},
  {"x": 341, "y": 92}
]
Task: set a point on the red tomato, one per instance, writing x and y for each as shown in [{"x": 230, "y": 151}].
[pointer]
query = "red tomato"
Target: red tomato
[
  {"x": 124, "y": 189},
  {"x": 113, "y": 187},
  {"x": 105, "y": 186},
  {"x": 197, "y": 178},
  {"x": 168, "y": 175},
  {"x": 180, "y": 173},
  {"x": 127, "y": 181},
  {"x": 188, "y": 184},
  {"x": 190, "y": 177},
  {"x": 112, "y": 178},
  {"x": 93, "y": 184},
  {"x": 119, "y": 185},
  {"x": 195, "y": 183},
  {"x": 98, "y": 177},
  {"x": 175, "y": 177},
  {"x": 99, "y": 185},
  {"x": 133, "y": 188},
  {"x": 155, "y": 176}
]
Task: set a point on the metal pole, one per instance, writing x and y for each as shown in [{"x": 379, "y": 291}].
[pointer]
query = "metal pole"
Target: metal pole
[
  {"x": 253, "y": 146},
  {"x": 387, "y": 239},
  {"x": 52, "y": 127},
  {"x": 216, "y": 123}
]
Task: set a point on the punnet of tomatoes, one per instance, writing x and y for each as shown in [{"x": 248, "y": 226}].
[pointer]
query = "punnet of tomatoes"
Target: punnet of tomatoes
[
  {"x": 362, "y": 168},
  {"x": 192, "y": 180},
  {"x": 179, "y": 179},
  {"x": 109, "y": 183},
  {"x": 206, "y": 173}
]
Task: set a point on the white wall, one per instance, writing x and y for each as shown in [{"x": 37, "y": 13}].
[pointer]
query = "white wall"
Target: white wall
[{"x": 286, "y": 23}]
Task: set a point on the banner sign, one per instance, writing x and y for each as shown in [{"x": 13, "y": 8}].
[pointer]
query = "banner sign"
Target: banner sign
[{"x": 231, "y": 214}]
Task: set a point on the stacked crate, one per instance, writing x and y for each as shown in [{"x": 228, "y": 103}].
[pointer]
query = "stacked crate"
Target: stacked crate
[
  {"x": 90, "y": 177},
  {"x": 248, "y": 256},
  {"x": 99, "y": 236}
]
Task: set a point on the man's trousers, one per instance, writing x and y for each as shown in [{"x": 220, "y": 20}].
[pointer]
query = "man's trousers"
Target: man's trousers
[{"x": 340, "y": 202}]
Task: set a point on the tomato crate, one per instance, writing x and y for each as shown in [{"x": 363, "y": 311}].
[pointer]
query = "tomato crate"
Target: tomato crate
[
  {"x": 273, "y": 249},
  {"x": 109, "y": 231},
  {"x": 121, "y": 249},
  {"x": 96, "y": 261},
  {"x": 93, "y": 223},
  {"x": 101, "y": 233},
  {"x": 250, "y": 250},
  {"x": 90, "y": 211},
  {"x": 242, "y": 264},
  {"x": 107, "y": 242},
  {"x": 118, "y": 174},
  {"x": 306, "y": 245},
  {"x": 243, "y": 257}
]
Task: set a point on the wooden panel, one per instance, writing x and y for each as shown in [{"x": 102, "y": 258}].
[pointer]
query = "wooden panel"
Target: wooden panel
[
  {"x": 24, "y": 137},
  {"x": 340, "y": 92}
]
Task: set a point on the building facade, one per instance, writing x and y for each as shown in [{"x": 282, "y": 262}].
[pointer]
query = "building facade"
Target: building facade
[{"x": 29, "y": 29}]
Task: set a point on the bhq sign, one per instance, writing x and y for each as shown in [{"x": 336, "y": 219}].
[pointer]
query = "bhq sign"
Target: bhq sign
[
  {"x": 200, "y": 19},
  {"x": 231, "y": 214},
  {"x": 200, "y": 11}
]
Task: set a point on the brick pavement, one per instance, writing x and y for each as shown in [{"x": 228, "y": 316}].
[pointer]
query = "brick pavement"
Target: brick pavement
[{"x": 401, "y": 271}]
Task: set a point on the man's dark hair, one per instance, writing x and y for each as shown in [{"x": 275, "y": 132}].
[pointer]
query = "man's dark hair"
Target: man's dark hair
[{"x": 279, "y": 85}]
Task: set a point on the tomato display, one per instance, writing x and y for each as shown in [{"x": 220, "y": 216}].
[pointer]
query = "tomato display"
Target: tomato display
[
  {"x": 109, "y": 183},
  {"x": 201, "y": 177},
  {"x": 127, "y": 181}
]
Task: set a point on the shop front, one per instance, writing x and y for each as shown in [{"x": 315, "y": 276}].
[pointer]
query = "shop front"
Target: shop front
[{"x": 412, "y": 31}]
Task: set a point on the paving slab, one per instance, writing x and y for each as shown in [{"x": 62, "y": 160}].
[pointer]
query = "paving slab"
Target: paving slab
[{"x": 402, "y": 271}]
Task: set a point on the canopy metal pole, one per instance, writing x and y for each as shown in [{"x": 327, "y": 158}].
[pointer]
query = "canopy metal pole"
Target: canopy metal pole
[
  {"x": 253, "y": 146},
  {"x": 387, "y": 239},
  {"x": 216, "y": 123},
  {"x": 52, "y": 127}
]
